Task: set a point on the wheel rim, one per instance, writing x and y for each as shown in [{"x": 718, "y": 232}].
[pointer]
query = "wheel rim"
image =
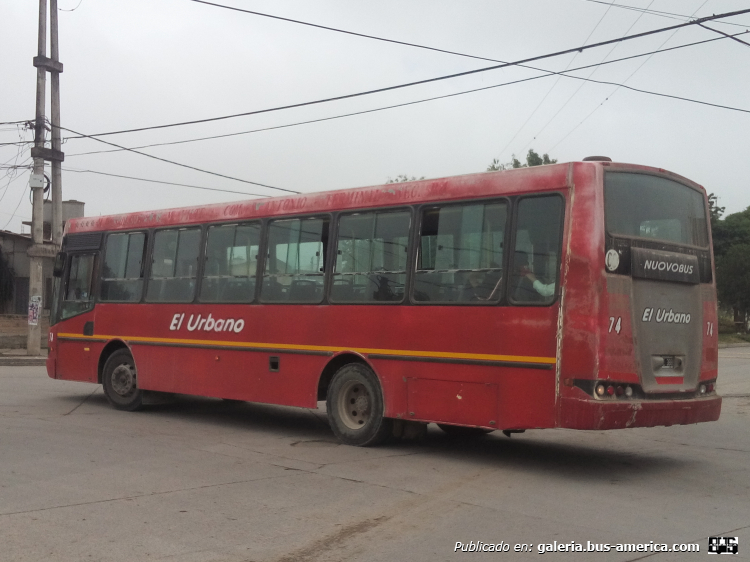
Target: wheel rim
[
  {"x": 123, "y": 380},
  {"x": 355, "y": 405}
]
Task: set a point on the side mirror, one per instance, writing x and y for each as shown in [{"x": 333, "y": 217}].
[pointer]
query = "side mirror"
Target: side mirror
[{"x": 59, "y": 266}]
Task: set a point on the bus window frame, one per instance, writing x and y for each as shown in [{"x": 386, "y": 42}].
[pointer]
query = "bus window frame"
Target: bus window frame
[
  {"x": 150, "y": 256},
  {"x": 264, "y": 249},
  {"x": 414, "y": 248},
  {"x": 516, "y": 204},
  {"x": 203, "y": 258},
  {"x": 334, "y": 238},
  {"x": 65, "y": 281},
  {"x": 149, "y": 233},
  {"x": 681, "y": 181}
]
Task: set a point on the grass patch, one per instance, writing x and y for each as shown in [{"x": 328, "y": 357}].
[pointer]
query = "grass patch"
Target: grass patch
[{"x": 734, "y": 338}]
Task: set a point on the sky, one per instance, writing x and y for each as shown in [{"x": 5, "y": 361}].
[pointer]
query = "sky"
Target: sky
[{"x": 141, "y": 63}]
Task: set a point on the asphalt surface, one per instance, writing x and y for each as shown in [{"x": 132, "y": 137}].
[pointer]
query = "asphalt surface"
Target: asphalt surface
[{"x": 205, "y": 480}]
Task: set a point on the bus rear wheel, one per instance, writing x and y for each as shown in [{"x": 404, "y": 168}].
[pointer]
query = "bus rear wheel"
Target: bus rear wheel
[
  {"x": 355, "y": 407},
  {"x": 120, "y": 381}
]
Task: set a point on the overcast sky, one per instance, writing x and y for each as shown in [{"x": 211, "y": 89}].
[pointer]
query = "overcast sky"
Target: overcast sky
[{"x": 139, "y": 63}]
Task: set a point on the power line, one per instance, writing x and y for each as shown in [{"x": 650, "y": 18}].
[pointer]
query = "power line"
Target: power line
[
  {"x": 74, "y": 9},
  {"x": 724, "y": 34},
  {"x": 178, "y": 163},
  {"x": 347, "y": 32},
  {"x": 623, "y": 83},
  {"x": 563, "y": 106},
  {"x": 547, "y": 74},
  {"x": 426, "y": 81},
  {"x": 15, "y": 210},
  {"x": 164, "y": 182},
  {"x": 554, "y": 85},
  {"x": 660, "y": 13}
]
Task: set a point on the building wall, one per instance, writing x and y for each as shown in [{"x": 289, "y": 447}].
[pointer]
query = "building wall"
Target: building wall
[{"x": 14, "y": 248}]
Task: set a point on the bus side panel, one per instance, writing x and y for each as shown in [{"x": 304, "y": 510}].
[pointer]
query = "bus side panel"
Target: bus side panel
[
  {"x": 710, "y": 329},
  {"x": 180, "y": 360},
  {"x": 618, "y": 360},
  {"x": 225, "y": 373},
  {"x": 473, "y": 395},
  {"x": 584, "y": 282},
  {"x": 76, "y": 359},
  {"x": 519, "y": 396}
]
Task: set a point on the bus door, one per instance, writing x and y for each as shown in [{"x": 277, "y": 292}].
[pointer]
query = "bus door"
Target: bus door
[{"x": 77, "y": 312}]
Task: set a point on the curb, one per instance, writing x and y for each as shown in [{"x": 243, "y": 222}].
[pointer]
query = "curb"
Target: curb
[
  {"x": 22, "y": 361},
  {"x": 726, "y": 345}
]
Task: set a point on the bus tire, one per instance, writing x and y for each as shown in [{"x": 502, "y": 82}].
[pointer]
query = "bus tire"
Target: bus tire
[
  {"x": 463, "y": 431},
  {"x": 355, "y": 407},
  {"x": 119, "y": 379}
]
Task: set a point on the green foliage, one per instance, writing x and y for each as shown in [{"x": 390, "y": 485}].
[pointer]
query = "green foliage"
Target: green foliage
[
  {"x": 734, "y": 229},
  {"x": 402, "y": 178},
  {"x": 495, "y": 166},
  {"x": 733, "y": 277},
  {"x": 532, "y": 159},
  {"x": 7, "y": 279},
  {"x": 731, "y": 237}
]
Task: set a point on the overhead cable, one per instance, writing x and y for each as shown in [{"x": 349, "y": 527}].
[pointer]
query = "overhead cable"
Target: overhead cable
[
  {"x": 179, "y": 163},
  {"x": 725, "y": 35},
  {"x": 670, "y": 15},
  {"x": 570, "y": 98},
  {"x": 163, "y": 182},
  {"x": 547, "y": 74},
  {"x": 425, "y": 81},
  {"x": 624, "y": 81},
  {"x": 549, "y": 91}
]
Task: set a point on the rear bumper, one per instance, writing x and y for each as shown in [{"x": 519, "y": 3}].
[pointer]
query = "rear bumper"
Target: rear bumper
[{"x": 591, "y": 414}]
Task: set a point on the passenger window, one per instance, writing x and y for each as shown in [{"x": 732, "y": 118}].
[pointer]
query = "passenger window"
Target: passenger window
[
  {"x": 461, "y": 253},
  {"x": 122, "y": 275},
  {"x": 371, "y": 257},
  {"x": 536, "y": 260},
  {"x": 231, "y": 263},
  {"x": 174, "y": 265},
  {"x": 78, "y": 296},
  {"x": 294, "y": 270}
]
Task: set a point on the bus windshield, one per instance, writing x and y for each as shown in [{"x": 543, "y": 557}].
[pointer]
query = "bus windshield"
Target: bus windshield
[{"x": 644, "y": 206}]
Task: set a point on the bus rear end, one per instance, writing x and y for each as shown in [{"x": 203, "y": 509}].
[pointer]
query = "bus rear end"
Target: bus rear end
[{"x": 651, "y": 351}]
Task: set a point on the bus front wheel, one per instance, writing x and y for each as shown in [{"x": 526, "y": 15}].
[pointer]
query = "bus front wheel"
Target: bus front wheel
[
  {"x": 119, "y": 380},
  {"x": 355, "y": 407}
]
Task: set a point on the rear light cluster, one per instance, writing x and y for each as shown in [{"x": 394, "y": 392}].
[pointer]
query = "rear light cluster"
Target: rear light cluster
[
  {"x": 706, "y": 388},
  {"x": 613, "y": 390}
]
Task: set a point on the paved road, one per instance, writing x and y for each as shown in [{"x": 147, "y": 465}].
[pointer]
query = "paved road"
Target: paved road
[{"x": 205, "y": 480}]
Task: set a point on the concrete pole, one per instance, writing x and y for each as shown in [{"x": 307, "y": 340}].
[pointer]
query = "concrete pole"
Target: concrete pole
[
  {"x": 36, "y": 280},
  {"x": 57, "y": 218}
]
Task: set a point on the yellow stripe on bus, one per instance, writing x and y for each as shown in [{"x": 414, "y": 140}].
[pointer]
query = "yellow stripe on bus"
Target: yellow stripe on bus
[{"x": 296, "y": 347}]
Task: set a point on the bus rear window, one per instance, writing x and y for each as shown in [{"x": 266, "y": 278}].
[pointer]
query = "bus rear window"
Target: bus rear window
[{"x": 643, "y": 206}]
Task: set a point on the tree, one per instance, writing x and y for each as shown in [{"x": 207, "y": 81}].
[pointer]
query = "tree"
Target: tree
[
  {"x": 734, "y": 229},
  {"x": 714, "y": 209},
  {"x": 402, "y": 178},
  {"x": 532, "y": 159},
  {"x": 732, "y": 253},
  {"x": 733, "y": 281}
]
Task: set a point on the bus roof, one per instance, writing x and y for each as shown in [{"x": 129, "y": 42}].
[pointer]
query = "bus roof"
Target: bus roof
[{"x": 483, "y": 184}]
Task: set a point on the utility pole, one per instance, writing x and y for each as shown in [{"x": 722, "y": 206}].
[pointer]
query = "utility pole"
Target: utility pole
[
  {"x": 57, "y": 219},
  {"x": 37, "y": 252}
]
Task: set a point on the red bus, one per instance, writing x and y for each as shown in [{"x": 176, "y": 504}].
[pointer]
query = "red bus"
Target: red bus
[{"x": 575, "y": 295}]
